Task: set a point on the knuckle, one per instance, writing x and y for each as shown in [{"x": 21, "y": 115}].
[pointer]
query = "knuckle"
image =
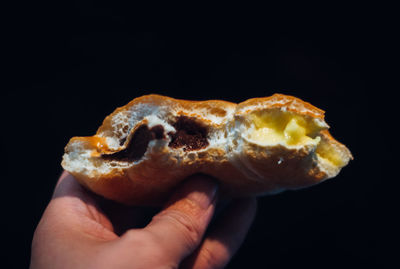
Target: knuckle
[
  {"x": 212, "y": 259},
  {"x": 140, "y": 238},
  {"x": 186, "y": 225},
  {"x": 132, "y": 234},
  {"x": 145, "y": 241},
  {"x": 147, "y": 248}
]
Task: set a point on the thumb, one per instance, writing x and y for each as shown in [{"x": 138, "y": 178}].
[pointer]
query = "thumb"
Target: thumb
[{"x": 180, "y": 227}]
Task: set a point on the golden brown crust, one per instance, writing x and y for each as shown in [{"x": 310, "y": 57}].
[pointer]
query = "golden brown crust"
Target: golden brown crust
[
  {"x": 290, "y": 103},
  {"x": 243, "y": 167}
]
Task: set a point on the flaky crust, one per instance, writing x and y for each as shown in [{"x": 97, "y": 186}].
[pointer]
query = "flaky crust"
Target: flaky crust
[{"x": 242, "y": 166}]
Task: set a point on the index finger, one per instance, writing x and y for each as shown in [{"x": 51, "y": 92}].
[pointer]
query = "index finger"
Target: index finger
[{"x": 180, "y": 227}]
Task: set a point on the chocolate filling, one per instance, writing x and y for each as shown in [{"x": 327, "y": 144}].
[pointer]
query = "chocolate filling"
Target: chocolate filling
[
  {"x": 138, "y": 145},
  {"x": 190, "y": 134}
]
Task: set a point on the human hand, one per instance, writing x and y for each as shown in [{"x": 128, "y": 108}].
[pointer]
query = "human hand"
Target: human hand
[{"x": 75, "y": 231}]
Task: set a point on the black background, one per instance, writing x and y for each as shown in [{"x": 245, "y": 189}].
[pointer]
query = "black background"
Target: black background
[{"x": 68, "y": 65}]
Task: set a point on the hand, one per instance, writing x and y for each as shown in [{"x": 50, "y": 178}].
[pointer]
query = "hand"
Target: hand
[{"x": 76, "y": 232}]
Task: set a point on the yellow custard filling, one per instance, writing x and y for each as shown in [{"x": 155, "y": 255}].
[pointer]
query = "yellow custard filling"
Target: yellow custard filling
[
  {"x": 329, "y": 153},
  {"x": 282, "y": 126},
  {"x": 276, "y": 126}
]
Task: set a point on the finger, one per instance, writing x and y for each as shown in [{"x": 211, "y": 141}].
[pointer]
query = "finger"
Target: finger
[
  {"x": 225, "y": 237},
  {"x": 68, "y": 193},
  {"x": 71, "y": 224},
  {"x": 179, "y": 228},
  {"x": 77, "y": 207},
  {"x": 68, "y": 186}
]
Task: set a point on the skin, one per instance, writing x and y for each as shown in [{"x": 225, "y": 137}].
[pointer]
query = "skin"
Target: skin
[{"x": 81, "y": 230}]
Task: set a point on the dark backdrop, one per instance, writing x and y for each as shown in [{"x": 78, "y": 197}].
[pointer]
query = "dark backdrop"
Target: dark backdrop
[{"x": 69, "y": 65}]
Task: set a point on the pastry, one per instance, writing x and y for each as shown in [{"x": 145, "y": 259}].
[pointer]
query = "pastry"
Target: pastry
[{"x": 144, "y": 149}]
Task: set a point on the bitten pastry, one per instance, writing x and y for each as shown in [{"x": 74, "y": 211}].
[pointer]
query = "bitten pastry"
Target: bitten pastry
[{"x": 261, "y": 146}]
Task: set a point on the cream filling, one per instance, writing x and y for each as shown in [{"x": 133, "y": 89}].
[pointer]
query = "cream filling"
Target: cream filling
[
  {"x": 292, "y": 130},
  {"x": 273, "y": 127},
  {"x": 329, "y": 153}
]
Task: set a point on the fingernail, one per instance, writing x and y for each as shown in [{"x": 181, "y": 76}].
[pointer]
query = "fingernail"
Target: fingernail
[{"x": 204, "y": 191}]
